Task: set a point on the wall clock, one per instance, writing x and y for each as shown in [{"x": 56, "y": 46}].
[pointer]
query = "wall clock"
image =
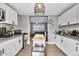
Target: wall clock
[{"x": 50, "y": 21}]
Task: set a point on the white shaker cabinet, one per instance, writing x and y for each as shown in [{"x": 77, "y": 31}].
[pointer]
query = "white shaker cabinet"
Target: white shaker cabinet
[
  {"x": 17, "y": 45},
  {"x": 57, "y": 38},
  {"x": 78, "y": 12},
  {"x": 8, "y": 49},
  {"x": 60, "y": 20},
  {"x": 73, "y": 14},
  {"x": 68, "y": 47},
  {"x": 10, "y": 15},
  {"x": 11, "y": 47},
  {"x": 69, "y": 17},
  {"x": 63, "y": 19},
  {"x": 77, "y": 47}
]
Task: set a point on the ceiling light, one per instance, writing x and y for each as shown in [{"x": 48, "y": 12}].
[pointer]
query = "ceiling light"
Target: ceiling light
[{"x": 39, "y": 9}]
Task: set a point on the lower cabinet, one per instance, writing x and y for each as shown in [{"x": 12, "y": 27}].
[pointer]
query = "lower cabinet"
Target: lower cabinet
[
  {"x": 69, "y": 46},
  {"x": 11, "y": 47}
]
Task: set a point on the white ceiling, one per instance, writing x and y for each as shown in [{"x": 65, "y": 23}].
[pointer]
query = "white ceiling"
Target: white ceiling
[{"x": 50, "y": 8}]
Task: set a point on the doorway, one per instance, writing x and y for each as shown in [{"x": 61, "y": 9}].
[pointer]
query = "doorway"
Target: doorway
[{"x": 38, "y": 24}]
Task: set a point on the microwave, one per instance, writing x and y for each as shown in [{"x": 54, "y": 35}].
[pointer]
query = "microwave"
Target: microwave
[{"x": 2, "y": 14}]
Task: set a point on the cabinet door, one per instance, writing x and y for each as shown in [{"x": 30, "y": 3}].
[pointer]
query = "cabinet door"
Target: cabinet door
[
  {"x": 17, "y": 45},
  {"x": 54, "y": 39},
  {"x": 8, "y": 16},
  {"x": 15, "y": 18},
  {"x": 2, "y": 49},
  {"x": 8, "y": 48},
  {"x": 60, "y": 20},
  {"x": 58, "y": 40},
  {"x": 77, "y": 48},
  {"x": 73, "y": 14},
  {"x": 78, "y": 12},
  {"x": 64, "y": 20},
  {"x": 69, "y": 47}
]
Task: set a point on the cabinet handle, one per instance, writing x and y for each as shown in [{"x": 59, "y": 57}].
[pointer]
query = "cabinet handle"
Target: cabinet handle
[
  {"x": 3, "y": 51},
  {"x": 0, "y": 53},
  {"x": 76, "y": 49},
  {"x": 19, "y": 41},
  {"x": 55, "y": 37},
  {"x": 61, "y": 41}
]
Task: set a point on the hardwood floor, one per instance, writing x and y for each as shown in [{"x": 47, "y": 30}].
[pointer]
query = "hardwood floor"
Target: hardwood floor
[
  {"x": 53, "y": 50},
  {"x": 50, "y": 50},
  {"x": 26, "y": 51}
]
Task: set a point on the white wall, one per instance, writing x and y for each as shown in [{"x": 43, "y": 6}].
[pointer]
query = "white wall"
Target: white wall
[
  {"x": 52, "y": 28},
  {"x": 24, "y": 24}
]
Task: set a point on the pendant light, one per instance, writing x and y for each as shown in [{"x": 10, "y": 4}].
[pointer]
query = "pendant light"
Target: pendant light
[{"x": 39, "y": 9}]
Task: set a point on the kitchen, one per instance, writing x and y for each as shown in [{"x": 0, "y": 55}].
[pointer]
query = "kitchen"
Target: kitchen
[{"x": 42, "y": 29}]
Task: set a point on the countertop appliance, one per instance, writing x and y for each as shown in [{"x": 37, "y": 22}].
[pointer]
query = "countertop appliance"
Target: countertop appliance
[
  {"x": 3, "y": 32},
  {"x": 74, "y": 33},
  {"x": 2, "y": 14},
  {"x": 17, "y": 32}
]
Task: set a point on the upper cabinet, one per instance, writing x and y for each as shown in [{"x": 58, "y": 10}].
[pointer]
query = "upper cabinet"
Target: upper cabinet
[
  {"x": 10, "y": 15},
  {"x": 78, "y": 13},
  {"x": 2, "y": 6},
  {"x": 73, "y": 15},
  {"x": 69, "y": 17}
]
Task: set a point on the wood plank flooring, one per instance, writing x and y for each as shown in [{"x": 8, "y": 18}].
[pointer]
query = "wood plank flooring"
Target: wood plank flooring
[
  {"x": 50, "y": 50},
  {"x": 53, "y": 50}
]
